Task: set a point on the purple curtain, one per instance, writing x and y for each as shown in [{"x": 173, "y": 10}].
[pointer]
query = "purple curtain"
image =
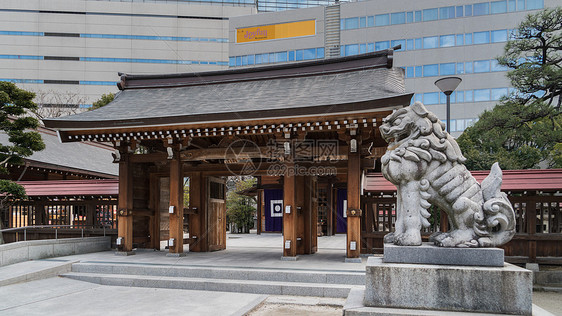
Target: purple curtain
[
  {"x": 341, "y": 226},
  {"x": 273, "y": 210}
]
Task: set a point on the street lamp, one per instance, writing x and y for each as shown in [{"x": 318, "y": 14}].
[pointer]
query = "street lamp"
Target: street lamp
[{"x": 447, "y": 85}]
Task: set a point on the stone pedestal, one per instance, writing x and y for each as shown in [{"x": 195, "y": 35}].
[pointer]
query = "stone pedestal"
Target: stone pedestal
[
  {"x": 505, "y": 290},
  {"x": 427, "y": 253}
]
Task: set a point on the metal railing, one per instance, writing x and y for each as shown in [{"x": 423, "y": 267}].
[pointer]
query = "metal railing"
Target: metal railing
[{"x": 56, "y": 227}]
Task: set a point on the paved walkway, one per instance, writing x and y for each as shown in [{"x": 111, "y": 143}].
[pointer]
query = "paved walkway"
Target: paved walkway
[
  {"x": 60, "y": 296},
  {"x": 243, "y": 250}
]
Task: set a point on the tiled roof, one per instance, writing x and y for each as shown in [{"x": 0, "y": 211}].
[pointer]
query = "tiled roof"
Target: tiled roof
[
  {"x": 366, "y": 82},
  {"x": 78, "y": 157}
]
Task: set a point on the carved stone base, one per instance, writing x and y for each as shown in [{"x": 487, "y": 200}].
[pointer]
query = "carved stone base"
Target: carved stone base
[{"x": 505, "y": 290}]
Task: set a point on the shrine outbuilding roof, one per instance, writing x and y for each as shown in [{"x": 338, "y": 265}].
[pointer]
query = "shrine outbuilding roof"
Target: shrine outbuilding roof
[{"x": 363, "y": 83}]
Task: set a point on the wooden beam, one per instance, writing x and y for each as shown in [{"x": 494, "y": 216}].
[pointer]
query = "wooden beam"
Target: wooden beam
[
  {"x": 146, "y": 158},
  {"x": 176, "y": 203},
  {"x": 125, "y": 204},
  {"x": 289, "y": 219}
]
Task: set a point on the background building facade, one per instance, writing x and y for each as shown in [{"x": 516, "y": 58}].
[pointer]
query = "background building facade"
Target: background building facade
[
  {"x": 436, "y": 39},
  {"x": 69, "y": 52}
]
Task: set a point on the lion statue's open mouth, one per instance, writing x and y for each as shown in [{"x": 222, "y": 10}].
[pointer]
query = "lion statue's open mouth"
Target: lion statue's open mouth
[{"x": 426, "y": 165}]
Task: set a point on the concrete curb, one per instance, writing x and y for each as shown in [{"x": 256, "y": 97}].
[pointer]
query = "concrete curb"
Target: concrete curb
[{"x": 40, "y": 249}]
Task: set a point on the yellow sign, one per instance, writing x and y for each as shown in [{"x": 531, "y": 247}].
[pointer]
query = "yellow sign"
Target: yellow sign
[{"x": 275, "y": 31}]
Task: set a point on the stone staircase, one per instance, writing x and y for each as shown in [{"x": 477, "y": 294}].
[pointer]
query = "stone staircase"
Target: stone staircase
[{"x": 270, "y": 281}]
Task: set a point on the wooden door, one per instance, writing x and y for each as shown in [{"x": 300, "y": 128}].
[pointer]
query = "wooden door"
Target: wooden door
[{"x": 216, "y": 212}]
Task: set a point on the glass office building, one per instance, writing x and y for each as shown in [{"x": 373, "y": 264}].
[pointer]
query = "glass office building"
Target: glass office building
[{"x": 435, "y": 41}]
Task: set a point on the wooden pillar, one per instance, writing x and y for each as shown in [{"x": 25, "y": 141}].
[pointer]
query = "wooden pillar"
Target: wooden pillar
[
  {"x": 195, "y": 206},
  {"x": 311, "y": 217},
  {"x": 176, "y": 203},
  {"x": 125, "y": 213},
  {"x": 353, "y": 204},
  {"x": 289, "y": 219},
  {"x": 302, "y": 216}
]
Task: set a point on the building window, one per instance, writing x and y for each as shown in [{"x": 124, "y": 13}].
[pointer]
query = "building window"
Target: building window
[
  {"x": 447, "y": 69},
  {"x": 402, "y": 43},
  {"x": 446, "y": 13},
  {"x": 419, "y": 72},
  {"x": 281, "y": 57},
  {"x": 381, "y": 45},
  {"x": 460, "y": 39},
  {"x": 398, "y": 18},
  {"x": 430, "y": 42},
  {"x": 370, "y": 21},
  {"x": 351, "y": 50},
  {"x": 351, "y": 23},
  {"x": 430, "y": 70},
  {"x": 447, "y": 40},
  {"x": 535, "y": 4},
  {"x": 497, "y": 7},
  {"x": 468, "y": 96},
  {"x": 431, "y": 98},
  {"x": 309, "y": 54},
  {"x": 430, "y": 14},
  {"x": 460, "y": 11},
  {"x": 520, "y": 5},
  {"x": 460, "y": 68},
  {"x": 468, "y": 39},
  {"x": 418, "y": 16},
  {"x": 468, "y": 10},
  {"x": 382, "y": 20},
  {"x": 320, "y": 52},
  {"x": 481, "y": 37},
  {"x": 511, "y": 5},
  {"x": 481, "y": 66},
  {"x": 410, "y": 44},
  {"x": 481, "y": 95},
  {"x": 468, "y": 67},
  {"x": 409, "y": 72},
  {"x": 409, "y": 17},
  {"x": 362, "y": 22},
  {"x": 481, "y": 8},
  {"x": 499, "y": 36}
]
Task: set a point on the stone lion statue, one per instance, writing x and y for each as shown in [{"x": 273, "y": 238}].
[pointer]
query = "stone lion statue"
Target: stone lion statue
[{"x": 426, "y": 165}]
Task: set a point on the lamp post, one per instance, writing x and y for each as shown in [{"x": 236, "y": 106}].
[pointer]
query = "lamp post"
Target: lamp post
[{"x": 447, "y": 85}]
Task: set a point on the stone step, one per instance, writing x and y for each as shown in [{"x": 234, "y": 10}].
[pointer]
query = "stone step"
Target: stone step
[
  {"x": 231, "y": 285},
  {"x": 227, "y": 273}
]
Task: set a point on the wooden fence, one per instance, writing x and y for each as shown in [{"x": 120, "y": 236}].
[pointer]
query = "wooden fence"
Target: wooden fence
[
  {"x": 538, "y": 219},
  {"x": 77, "y": 218}
]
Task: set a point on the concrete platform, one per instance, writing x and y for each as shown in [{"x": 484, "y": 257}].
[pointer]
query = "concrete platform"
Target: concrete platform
[{"x": 428, "y": 253}]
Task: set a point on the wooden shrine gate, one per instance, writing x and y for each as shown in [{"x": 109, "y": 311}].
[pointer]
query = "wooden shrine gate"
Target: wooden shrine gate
[{"x": 231, "y": 124}]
